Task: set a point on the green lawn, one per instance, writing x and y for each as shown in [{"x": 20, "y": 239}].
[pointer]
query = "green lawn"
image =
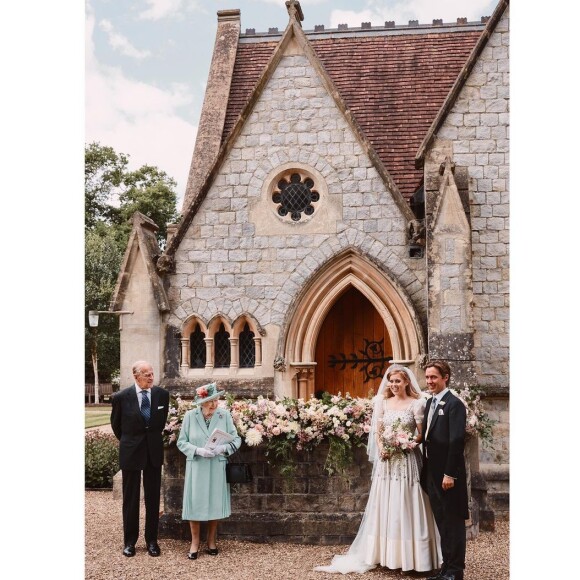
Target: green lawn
[{"x": 97, "y": 417}]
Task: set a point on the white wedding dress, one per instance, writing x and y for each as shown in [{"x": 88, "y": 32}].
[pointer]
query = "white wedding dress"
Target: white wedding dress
[{"x": 398, "y": 529}]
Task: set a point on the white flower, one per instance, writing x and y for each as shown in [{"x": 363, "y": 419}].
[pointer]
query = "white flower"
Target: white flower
[{"x": 253, "y": 437}]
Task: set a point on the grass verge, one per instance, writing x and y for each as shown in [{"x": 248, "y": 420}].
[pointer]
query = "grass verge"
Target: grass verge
[{"x": 97, "y": 417}]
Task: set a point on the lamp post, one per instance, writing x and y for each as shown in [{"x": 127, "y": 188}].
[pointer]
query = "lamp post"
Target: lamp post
[{"x": 94, "y": 324}]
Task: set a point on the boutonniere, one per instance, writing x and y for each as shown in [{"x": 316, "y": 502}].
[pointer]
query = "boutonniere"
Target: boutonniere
[{"x": 442, "y": 403}]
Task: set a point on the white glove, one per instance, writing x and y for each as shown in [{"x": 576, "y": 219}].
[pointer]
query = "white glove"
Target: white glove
[
  {"x": 221, "y": 449},
  {"x": 203, "y": 452}
]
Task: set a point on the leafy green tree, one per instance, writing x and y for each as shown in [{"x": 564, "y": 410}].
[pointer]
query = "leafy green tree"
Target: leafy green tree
[
  {"x": 151, "y": 192},
  {"x": 103, "y": 256},
  {"x": 112, "y": 194},
  {"x": 104, "y": 172}
]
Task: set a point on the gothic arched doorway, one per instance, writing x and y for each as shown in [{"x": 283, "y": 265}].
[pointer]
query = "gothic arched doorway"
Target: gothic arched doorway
[
  {"x": 342, "y": 274},
  {"x": 353, "y": 347}
]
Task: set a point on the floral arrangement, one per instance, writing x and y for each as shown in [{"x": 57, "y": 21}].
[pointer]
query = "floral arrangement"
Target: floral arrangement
[
  {"x": 286, "y": 424},
  {"x": 177, "y": 410},
  {"x": 396, "y": 440},
  {"x": 478, "y": 421}
]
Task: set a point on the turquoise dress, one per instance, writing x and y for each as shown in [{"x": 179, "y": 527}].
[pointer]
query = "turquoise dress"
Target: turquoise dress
[{"x": 206, "y": 493}]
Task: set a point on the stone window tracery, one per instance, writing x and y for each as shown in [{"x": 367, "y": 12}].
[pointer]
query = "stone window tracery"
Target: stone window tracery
[
  {"x": 222, "y": 348},
  {"x": 247, "y": 348},
  {"x": 294, "y": 194},
  {"x": 220, "y": 345},
  {"x": 197, "y": 349}
]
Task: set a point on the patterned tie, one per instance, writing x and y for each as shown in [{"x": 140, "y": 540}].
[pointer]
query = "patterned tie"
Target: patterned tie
[
  {"x": 431, "y": 412},
  {"x": 145, "y": 406}
]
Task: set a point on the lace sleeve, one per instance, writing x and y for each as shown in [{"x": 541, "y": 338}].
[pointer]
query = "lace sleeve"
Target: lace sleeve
[{"x": 419, "y": 410}]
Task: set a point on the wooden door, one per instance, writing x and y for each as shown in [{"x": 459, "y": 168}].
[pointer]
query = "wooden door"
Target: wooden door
[{"x": 353, "y": 347}]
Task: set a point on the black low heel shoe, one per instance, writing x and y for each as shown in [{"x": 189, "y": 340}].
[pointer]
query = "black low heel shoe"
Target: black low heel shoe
[
  {"x": 212, "y": 551},
  {"x": 192, "y": 555}
]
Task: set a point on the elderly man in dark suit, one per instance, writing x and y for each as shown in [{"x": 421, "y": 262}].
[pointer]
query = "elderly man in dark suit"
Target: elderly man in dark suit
[
  {"x": 138, "y": 416},
  {"x": 443, "y": 476}
]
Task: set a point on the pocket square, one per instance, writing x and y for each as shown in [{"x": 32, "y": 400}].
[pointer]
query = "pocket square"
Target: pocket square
[
  {"x": 160, "y": 407},
  {"x": 441, "y": 412}
]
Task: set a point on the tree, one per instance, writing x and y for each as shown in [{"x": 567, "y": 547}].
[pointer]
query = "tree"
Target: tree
[
  {"x": 151, "y": 192},
  {"x": 103, "y": 256},
  {"x": 112, "y": 195},
  {"x": 104, "y": 171}
]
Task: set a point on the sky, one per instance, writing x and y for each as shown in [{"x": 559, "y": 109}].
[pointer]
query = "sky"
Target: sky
[
  {"x": 147, "y": 63},
  {"x": 131, "y": 75}
]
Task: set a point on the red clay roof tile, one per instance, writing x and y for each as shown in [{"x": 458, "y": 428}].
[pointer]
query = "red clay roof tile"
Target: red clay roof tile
[{"x": 393, "y": 84}]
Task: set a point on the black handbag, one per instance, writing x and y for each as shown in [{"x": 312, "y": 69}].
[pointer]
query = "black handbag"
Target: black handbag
[{"x": 238, "y": 472}]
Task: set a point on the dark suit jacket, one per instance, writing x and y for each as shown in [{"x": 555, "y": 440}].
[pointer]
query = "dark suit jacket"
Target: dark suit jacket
[
  {"x": 443, "y": 448},
  {"x": 137, "y": 441}
]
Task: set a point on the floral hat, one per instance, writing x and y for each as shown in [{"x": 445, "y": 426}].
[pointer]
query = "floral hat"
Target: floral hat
[{"x": 207, "y": 393}]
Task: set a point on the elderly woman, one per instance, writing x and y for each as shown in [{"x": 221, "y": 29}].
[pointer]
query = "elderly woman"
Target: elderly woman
[{"x": 206, "y": 493}]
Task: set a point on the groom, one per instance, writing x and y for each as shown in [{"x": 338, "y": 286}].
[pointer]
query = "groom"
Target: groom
[
  {"x": 443, "y": 475},
  {"x": 138, "y": 416}
]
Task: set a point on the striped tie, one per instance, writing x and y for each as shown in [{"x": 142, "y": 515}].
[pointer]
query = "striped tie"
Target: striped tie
[
  {"x": 431, "y": 412},
  {"x": 145, "y": 406}
]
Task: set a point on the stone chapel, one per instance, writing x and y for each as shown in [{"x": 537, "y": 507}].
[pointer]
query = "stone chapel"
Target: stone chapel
[{"x": 347, "y": 207}]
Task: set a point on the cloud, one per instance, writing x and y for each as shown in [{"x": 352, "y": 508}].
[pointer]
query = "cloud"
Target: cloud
[
  {"x": 137, "y": 118},
  {"x": 159, "y": 9},
  {"x": 401, "y": 11},
  {"x": 120, "y": 43}
]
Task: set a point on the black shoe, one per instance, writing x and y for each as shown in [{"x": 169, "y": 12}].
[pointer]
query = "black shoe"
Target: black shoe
[
  {"x": 192, "y": 555},
  {"x": 212, "y": 551},
  {"x": 129, "y": 550},
  {"x": 153, "y": 549},
  {"x": 452, "y": 576}
]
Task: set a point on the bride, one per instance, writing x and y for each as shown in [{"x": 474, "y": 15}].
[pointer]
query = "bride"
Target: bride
[{"x": 398, "y": 529}]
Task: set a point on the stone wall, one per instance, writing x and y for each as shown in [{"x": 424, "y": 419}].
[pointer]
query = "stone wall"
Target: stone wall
[
  {"x": 477, "y": 129},
  {"x": 240, "y": 257},
  {"x": 475, "y": 135},
  {"x": 310, "y": 508}
]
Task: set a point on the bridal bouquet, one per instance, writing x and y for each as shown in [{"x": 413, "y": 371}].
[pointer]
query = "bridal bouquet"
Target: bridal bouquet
[{"x": 396, "y": 440}]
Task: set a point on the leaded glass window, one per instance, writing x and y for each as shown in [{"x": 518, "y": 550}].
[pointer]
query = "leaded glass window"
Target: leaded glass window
[
  {"x": 247, "y": 348},
  {"x": 295, "y": 195},
  {"x": 197, "y": 349},
  {"x": 222, "y": 348}
]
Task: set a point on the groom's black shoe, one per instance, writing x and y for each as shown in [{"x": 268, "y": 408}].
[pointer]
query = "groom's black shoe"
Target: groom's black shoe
[
  {"x": 436, "y": 577},
  {"x": 129, "y": 550},
  {"x": 452, "y": 576},
  {"x": 153, "y": 549}
]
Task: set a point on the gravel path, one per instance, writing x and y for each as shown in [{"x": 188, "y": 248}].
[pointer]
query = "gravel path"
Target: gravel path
[{"x": 487, "y": 556}]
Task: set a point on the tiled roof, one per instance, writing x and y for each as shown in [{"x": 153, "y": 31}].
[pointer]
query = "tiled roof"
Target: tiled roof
[
  {"x": 394, "y": 84},
  {"x": 251, "y": 60}
]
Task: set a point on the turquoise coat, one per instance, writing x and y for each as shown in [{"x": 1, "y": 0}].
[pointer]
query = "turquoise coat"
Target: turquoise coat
[{"x": 206, "y": 494}]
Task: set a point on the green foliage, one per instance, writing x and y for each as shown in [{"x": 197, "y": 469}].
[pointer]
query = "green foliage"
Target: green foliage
[
  {"x": 280, "y": 453},
  {"x": 112, "y": 195},
  {"x": 101, "y": 459},
  {"x": 103, "y": 256},
  {"x": 340, "y": 455},
  {"x": 104, "y": 170},
  {"x": 151, "y": 192}
]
